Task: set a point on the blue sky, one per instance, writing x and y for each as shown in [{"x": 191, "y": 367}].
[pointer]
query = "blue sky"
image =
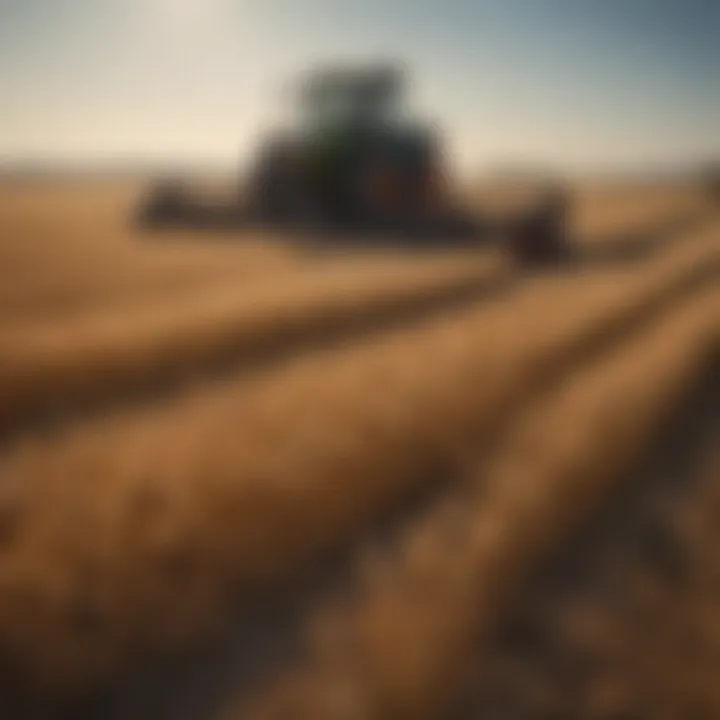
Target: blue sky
[{"x": 579, "y": 83}]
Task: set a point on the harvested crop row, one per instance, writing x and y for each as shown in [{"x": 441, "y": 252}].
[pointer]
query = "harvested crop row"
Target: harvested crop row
[
  {"x": 624, "y": 623},
  {"x": 403, "y": 645},
  {"x": 137, "y": 532},
  {"x": 54, "y": 368},
  {"x": 47, "y": 281},
  {"x": 48, "y": 369}
]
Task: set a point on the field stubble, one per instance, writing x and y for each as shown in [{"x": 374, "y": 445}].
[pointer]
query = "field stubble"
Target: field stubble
[
  {"x": 224, "y": 492},
  {"x": 623, "y": 622},
  {"x": 87, "y": 323},
  {"x": 220, "y": 492},
  {"x": 404, "y": 644}
]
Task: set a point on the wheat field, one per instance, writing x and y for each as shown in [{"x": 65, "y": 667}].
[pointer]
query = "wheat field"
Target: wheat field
[{"x": 241, "y": 477}]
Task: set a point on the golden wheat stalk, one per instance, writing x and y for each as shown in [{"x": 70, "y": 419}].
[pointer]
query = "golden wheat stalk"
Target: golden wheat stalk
[
  {"x": 402, "y": 646},
  {"x": 139, "y": 531}
]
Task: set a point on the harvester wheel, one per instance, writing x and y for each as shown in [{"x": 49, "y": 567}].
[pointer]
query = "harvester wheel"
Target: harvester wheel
[
  {"x": 166, "y": 203},
  {"x": 712, "y": 181},
  {"x": 541, "y": 237}
]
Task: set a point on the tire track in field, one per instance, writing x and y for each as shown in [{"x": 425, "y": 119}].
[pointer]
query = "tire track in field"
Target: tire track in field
[
  {"x": 66, "y": 373},
  {"x": 251, "y": 638}
]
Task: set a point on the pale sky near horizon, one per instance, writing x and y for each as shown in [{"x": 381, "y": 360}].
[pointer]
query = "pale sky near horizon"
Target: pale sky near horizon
[{"x": 577, "y": 83}]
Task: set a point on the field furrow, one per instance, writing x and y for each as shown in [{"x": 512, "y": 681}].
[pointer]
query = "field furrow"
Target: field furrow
[
  {"x": 403, "y": 644},
  {"x": 229, "y": 490}
]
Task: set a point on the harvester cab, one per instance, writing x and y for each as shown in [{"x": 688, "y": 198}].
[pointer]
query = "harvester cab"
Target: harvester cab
[
  {"x": 350, "y": 98},
  {"x": 353, "y": 157}
]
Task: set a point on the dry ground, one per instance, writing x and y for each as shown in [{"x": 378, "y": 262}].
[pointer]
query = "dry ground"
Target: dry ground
[{"x": 239, "y": 478}]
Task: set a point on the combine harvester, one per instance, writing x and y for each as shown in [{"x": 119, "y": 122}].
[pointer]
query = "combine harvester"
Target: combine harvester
[{"x": 355, "y": 166}]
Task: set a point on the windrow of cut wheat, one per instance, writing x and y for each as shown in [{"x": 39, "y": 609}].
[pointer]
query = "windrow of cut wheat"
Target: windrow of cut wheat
[
  {"x": 140, "y": 531},
  {"x": 50, "y": 368},
  {"x": 87, "y": 310},
  {"x": 404, "y": 644},
  {"x": 53, "y": 367},
  {"x": 47, "y": 278}
]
